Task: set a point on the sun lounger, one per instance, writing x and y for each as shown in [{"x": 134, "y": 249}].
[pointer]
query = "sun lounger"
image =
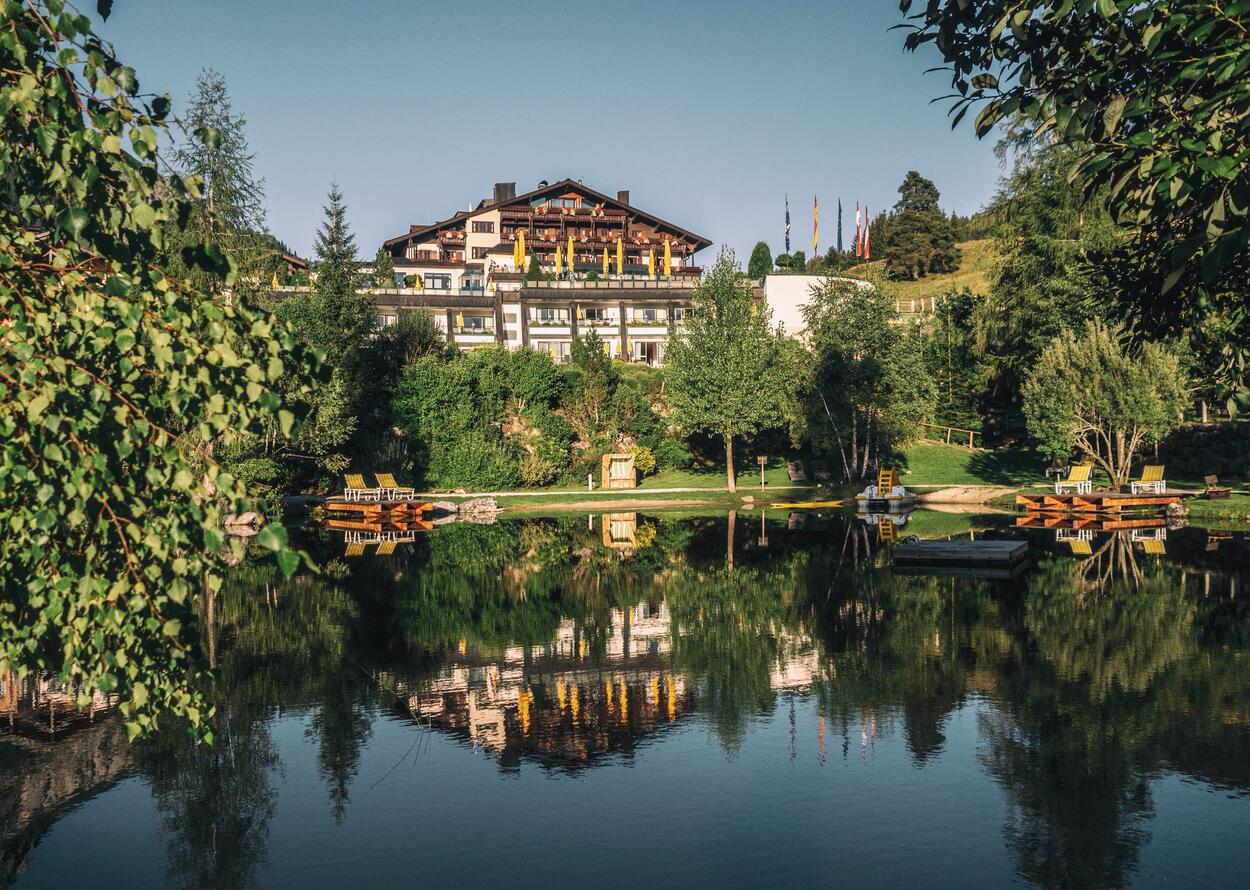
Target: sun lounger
[
  {"x": 357, "y": 490},
  {"x": 1078, "y": 480},
  {"x": 795, "y": 471},
  {"x": 1151, "y": 480},
  {"x": 392, "y": 490}
]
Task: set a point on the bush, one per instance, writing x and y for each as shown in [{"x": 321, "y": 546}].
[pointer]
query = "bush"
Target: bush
[
  {"x": 672, "y": 454},
  {"x": 644, "y": 460},
  {"x": 536, "y": 471},
  {"x": 474, "y": 461}
]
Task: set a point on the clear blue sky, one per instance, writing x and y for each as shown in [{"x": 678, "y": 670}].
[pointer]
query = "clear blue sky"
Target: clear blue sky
[{"x": 708, "y": 112}]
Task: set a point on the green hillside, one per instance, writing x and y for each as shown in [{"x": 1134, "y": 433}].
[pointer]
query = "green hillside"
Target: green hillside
[{"x": 976, "y": 272}]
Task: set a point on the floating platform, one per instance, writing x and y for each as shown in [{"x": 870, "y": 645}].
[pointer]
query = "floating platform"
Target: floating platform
[
  {"x": 375, "y": 507},
  {"x": 1107, "y": 522},
  {"x": 379, "y": 525},
  {"x": 1098, "y": 502},
  {"x": 985, "y": 560},
  {"x": 885, "y": 505}
]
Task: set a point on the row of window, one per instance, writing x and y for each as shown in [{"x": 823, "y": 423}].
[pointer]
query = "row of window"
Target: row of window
[
  {"x": 483, "y": 226},
  {"x": 602, "y": 315}
]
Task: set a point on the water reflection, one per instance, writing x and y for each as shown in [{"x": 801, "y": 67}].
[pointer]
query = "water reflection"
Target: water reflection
[{"x": 571, "y": 644}]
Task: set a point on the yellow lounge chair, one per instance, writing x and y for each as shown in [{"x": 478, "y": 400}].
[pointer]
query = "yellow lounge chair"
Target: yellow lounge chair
[
  {"x": 1151, "y": 480},
  {"x": 392, "y": 490},
  {"x": 1078, "y": 478},
  {"x": 386, "y": 548},
  {"x": 357, "y": 490},
  {"x": 1080, "y": 548},
  {"x": 1154, "y": 546},
  {"x": 355, "y": 548}
]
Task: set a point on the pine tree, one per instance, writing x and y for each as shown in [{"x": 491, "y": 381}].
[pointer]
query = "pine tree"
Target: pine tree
[
  {"x": 761, "y": 261},
  {"x": 383, "y": 269},
  {"x": 229, "y": 213},
  {"x": 919, "y": 239}
]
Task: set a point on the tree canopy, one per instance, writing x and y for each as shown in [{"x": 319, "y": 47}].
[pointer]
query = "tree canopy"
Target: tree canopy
[
  {"x": 919, "y": 239},
  {"x": 114, "y": 377},
  {"x": 761, "y": 262}
]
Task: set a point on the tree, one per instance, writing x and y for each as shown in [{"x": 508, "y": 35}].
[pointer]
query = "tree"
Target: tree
[
  {"x": 919, "y": 238},
  {"x": 723, "y": 367},
  {"x": 337, "y": 320},
  {"x": 599, "y": 380},
  {"x": 114, "y": 375},
  {"x": 1091, "y": 395},
  {"x": 869, "y": 387},
  {"x": 761, "y": 261},
  {"x": 383, "y": 269},
  {"x": 229, "y": 211},
  {"x": 1150, "y": 96}
]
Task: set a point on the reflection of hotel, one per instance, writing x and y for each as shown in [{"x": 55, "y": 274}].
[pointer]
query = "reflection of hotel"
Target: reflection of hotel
[
  {"x": 43, "y": 705},
  {"x": 557, "y": 703}
]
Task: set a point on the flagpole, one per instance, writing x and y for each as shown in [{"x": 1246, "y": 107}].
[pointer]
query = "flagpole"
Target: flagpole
[
  {"x": 787, "y": 223},
  {"x": 839, "y": 225}
]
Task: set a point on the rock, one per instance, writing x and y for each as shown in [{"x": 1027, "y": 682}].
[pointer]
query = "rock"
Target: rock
[
  {"x": 445, "y": 508},
  {"x": 243, "y": 526},
  {"x": 249, "y": 518},
  {"x": 1177, "y": 510},
  {"x": 478, "y": 507}
]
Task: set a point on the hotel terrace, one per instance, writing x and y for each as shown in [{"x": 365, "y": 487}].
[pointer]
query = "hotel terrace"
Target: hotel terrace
[{"x": 609, "y": 267}]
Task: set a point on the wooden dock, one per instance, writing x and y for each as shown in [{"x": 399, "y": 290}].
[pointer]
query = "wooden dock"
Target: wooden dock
[
  {"x": 1097, "y": 502},
  {"x": 396, "y": 509},
  {"x": 986, "y": 560},
  {"x": 1104, "y": 522}
]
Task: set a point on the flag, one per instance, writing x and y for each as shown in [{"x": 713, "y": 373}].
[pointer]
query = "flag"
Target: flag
[
  {"x": 867, "y": 235},
  {"x": 787, "y": 223},
  {"x": 859, "y": 244},
  {"x": 839, "y": 225},
  {"x": 815, "y": 226}
]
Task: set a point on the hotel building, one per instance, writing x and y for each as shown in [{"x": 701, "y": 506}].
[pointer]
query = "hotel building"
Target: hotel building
[{"x": 607, "y": 266}]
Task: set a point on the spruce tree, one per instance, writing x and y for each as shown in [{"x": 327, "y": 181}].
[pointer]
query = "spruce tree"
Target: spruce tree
[
  {"x": 919, "y": 239},
  {"x": 383, "y": 269}
]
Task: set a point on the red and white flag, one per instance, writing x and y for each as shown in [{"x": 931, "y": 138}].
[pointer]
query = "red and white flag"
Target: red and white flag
[
  {"x": 859, "y": 244},
  {"x": 867, "y": 235}
]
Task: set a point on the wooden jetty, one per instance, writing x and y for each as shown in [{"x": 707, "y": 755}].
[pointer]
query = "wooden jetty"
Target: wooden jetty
[
  {"x": 1096, "y": 502},
  {"x": 371, "y": 509},
  {"x": 1105, "y": 522},
  {"x": 989, "y": 560},
  {"x": 379, "y": 526}
]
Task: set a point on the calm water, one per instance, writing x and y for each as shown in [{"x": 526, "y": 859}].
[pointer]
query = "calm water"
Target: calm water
[{"x": 631, "y": 699}]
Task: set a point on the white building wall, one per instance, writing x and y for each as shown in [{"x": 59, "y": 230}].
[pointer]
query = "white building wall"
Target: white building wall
[{"x": 787, "y": 294}]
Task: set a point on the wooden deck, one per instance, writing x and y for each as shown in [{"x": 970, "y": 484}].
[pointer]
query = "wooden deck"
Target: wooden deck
[
  {"x": 1098, "y": 502},
  {"x": 378, "y": 508},
  {"x": 380, "y": 525},
  {"x": 961, "y": 553},
  {"x": 1106, "y": 522}
]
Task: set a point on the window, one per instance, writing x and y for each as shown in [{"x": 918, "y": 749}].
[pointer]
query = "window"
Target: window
[
  {"x": 477, "y": 324},
  {"x": 679, "y": 313},
  {"x": 649, "y": 314},
  {"x": 479, "y": 253},
  {"x": 437, "y": 282},
  {"x": 597, "y": 314},
  {"x": 426, "y": 255},
  {"x": 483, "y": 226},
  {"x": 557, "y": 349},
  {"x": 549, "y": 315},
  {"x": 471, "y": 282},
  {"x": 384, "y": 321}
]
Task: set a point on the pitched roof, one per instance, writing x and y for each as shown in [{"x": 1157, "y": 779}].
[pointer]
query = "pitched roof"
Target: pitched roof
[{"x": 546, "y": 191}]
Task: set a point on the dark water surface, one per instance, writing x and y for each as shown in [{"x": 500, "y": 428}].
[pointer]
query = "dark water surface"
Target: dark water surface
[{"x": 631, "y": 699}]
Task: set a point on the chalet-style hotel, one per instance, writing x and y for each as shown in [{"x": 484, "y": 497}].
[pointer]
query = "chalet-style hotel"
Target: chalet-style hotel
[{"x": 608, "y": 267}]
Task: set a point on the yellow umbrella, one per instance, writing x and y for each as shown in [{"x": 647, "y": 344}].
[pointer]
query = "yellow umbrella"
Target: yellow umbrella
[
  {"x": 651, "y": 262},
  {"x": 520, "y": 238},
  {"x": 605, "y": 262},
  {"x": 668, "y": 259},
  {"x": 570, "y": 253},
  {"x": 275, "y": 281},
  {"x": 620, "y": 257},
  {"x": 559, "y": 259}
]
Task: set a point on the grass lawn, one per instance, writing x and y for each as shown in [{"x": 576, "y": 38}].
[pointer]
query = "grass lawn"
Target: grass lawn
[
  {"x": 940, "y": 465},
  {"x": 976, "y": 269}
]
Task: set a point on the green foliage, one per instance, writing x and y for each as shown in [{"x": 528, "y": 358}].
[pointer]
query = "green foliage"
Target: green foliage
[
  {"x": 1152, "y": 98},
  {"x": 113, "y": 376},
  {"x": 727, "y": 341},
  {"x": 1090, "y": 395},
  {"x": 951, "y": 361},
  {"x": 761, "y": 262},
  {"x": 383, "y": 269},
  {"x": 644, "y": 460},
  {"x": 869, "y": 387},
  {"x": 919, "y": 239}
]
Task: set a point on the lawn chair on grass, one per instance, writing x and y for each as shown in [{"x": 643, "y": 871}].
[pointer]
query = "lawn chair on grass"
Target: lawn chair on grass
[
  {"x": 1151, "y": 480},
  {"x": 1078, "y": 480},
  {"x": 795, "y": 471},
  {"x": 1213, "y": 491},
  {"x": 392, "y": 490},
  {"x": 357, "y": 490}
]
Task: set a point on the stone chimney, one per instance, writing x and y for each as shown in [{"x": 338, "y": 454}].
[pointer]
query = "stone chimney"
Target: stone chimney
[
  {"x": 623, "y": 196},
  {"x": 504, "y": 191}
]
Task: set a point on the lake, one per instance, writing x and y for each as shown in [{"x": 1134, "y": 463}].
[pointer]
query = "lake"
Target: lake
[{"x": 674, "y": 699}]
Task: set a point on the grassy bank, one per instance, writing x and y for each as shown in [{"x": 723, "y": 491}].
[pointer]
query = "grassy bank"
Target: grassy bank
[{"x": 975, "y": 272}]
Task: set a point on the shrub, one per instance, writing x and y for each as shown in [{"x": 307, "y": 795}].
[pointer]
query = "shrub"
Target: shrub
[
  {"x": 537, "y": 471},
  {"x": 672, "y": 454},
  {"x": 474, "y": 461},
  {"x": 644, "y": 460}
]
